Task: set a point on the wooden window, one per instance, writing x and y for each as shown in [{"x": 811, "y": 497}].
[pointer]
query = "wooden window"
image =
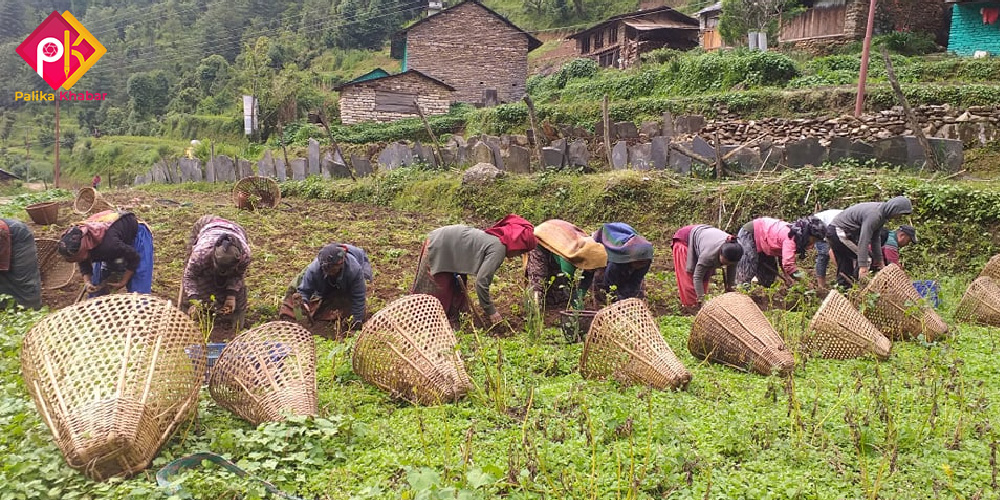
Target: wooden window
[
  {"x": 606, "y": 60},
  {"x": 613, "y": 35},
  {"x": 585, "y": 45},
  {"x": 599, "y": 39}
]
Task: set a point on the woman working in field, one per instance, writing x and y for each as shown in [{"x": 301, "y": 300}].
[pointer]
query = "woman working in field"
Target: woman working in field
[
  {"x": 213, "y": 275},
  {"x": 764, "y": 240},
  {"x": 629, "y": 258},
  {"x": 114, "y": 250},
  {"x": 19, "y": 275},
  {"x": 551, "y": 268},
  {"x": 698, "y": 251},
  {"x": 451, "y": 253},
  {"x": 854, "y": 237}
]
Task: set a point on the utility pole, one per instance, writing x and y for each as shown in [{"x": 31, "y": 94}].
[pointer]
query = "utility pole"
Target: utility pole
[{"x": 55, "y": 173}]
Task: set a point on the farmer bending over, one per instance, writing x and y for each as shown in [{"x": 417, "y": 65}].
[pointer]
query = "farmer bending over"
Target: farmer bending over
[
  {"x": 629, "y": 258},
  {"x": 897, "y": 240},
  {"x": 451, "y": 253},
  {"x": 698, "y": 251},
  {"x": 19, "y": 275},
  {"x": 213, "y": 275},
  {"x": 858, "y": 227},
  {"x": 114, "y": 250},
  {"x": 332, "y": 287},
  {"x": 764, "y": 240},
  {"x": 551, "y": 268}
]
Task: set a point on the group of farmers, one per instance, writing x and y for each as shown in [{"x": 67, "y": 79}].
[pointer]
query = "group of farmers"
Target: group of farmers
[{"x": 114, "y": 250}]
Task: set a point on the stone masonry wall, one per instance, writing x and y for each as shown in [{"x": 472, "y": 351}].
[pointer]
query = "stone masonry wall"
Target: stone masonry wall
[
  {"x": 357, "y": 102},
  {"x": 471, "y": 50},
  {"x": 969, "y": 34}
]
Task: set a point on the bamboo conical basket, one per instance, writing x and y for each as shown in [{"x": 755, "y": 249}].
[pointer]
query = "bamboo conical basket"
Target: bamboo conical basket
[
  {"x": 981, "y": 302},
  {"x": 893, "y": 305},
  {"x": 840, "y": 331},
  {"x": 731, "y": 329},
  {"x": 624, "y": 343}
]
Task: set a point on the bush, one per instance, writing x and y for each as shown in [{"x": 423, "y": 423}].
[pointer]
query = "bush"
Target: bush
[{"x": 906, "y": 43}]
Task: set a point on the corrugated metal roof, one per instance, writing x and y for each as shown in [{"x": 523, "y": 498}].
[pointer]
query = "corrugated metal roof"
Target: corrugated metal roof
[{"x": 646, "y": 25}]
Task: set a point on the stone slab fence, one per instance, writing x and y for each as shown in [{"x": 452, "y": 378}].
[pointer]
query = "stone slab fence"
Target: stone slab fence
[{"x": 748, "y": 146}]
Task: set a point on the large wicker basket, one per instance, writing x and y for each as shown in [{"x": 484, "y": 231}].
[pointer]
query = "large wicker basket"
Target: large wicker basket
[
  {"x": 89, "y": 201},
  {"x": 981, "y": 302},
  {"x": 992, "y": 269},
  {"x": 730, "y": 329},
  {"x": 267, "y": 373},
  {"x": 55, "y": 270},
  {"x": 111, "y": 379},
  {"x": 251, "y": 193},
  {"x": 409, "y": 350},
  {"x": 625, "y": 343},
  {"x": 893, "y": 305},
  {"x": 44, "y": 213},
  {"x": 840, "y": 331}
]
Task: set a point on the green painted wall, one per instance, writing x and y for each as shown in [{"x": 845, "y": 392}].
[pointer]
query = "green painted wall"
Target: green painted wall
[{"x": 969, "y": 34}]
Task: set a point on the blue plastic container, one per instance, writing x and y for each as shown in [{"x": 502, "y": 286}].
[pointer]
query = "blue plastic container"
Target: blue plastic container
[
  {"x": 211, "y": 356},
  {"x": 929, "y": 289}
]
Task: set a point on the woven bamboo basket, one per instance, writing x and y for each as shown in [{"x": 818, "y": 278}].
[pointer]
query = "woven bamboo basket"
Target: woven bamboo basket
[
  {"x": 55, "y": 270},
  {"x": 893, "y": 305},
  {"x": 251, "y": 193},
  {"x": 840, "y": 331},
  {"x": 43, "y": 213},
  {"x": 981, "y": 302},
  {"x": 409, "y": 350},
  {"x": 89, "y": 201},
  {"x": 624, "y": 343},
  {"x": 267, "y": 373},
  {"x": 730, "y": 329},
  {"x": 992, "y": 269},
  {"x": 111, "y": 379}
]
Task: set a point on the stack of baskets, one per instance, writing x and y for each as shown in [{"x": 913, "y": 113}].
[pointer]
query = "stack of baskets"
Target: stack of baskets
[
  {"x": 624, "y": 343},
  {"x": 893, "y": 305},
  {"x": 111, "y": 379},
  {"x": 56, "y": 271},
  {"x": 731, "y": 329},
  {"x": 409, "y": 350},
  {"x": 981, "y": 302},
  {"x": 840, "y": 331},
  {"x": 267, "y": 373},
  {"x": 89, "y": 201},
  {"x": 251, "y": 193}
]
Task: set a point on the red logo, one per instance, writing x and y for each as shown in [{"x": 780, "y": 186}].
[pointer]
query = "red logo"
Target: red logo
[{"x": 60, "y": 50}]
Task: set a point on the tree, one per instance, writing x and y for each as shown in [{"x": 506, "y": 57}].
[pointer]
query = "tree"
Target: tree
[
  {"x": 740, "y": 17},
  {"x": 149, "y": 93}
]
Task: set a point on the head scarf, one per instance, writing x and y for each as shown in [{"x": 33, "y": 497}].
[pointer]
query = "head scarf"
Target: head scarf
[
  {"x": 331, "y": 255},
  {"x": 572, "y": 244},
  {"x": 802, "y": 229},
  {"x": 517, "y": 234},
  {"x": 227, "y": 255},
  {"x": 623, "y": 243},
  {"x": 77, "y": 241}
]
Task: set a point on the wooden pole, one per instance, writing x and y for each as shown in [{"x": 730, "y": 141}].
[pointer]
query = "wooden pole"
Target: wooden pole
[
  {"x": 865, "y": 56},
  {"x": 284, "y": 149},
  {"x": 718, "y": 155},
  {"x": 605, "y": 116},
  {"x": 333, "y": 144},
  {"x": 910, "y": 117},
  {"x": 427, "y": 125},
  {"x": 536, "y": 135}
]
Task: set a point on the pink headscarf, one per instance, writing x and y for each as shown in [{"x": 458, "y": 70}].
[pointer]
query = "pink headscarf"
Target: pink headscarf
[{"x": 517, "y": 234}]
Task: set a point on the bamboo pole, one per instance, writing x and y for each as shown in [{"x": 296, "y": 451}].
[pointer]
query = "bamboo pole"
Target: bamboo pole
[{"x": 910, "y": 117}]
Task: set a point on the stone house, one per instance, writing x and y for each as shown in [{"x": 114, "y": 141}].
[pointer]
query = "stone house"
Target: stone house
[
  {"x": 827, "y": 24},
  {"x": 472, "y": 48},
  {"x": 390, "y": 98},
  {"x": 975, "y": 27},
  {"x": 617, "y": 42},
  {"x": 708, "y": 22}
]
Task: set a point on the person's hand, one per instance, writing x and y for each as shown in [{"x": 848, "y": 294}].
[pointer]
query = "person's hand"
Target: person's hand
[
  {"x": 193, "y": 312},
  {"x": 228, "y": 306},
  {"x": 116, "y": 285},
  {"x": 495, "y": 318},
  {"x": 862, "y": 273}
]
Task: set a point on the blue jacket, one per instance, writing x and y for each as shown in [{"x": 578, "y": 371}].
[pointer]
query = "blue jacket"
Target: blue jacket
[{"x": 351, "y": 280}]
